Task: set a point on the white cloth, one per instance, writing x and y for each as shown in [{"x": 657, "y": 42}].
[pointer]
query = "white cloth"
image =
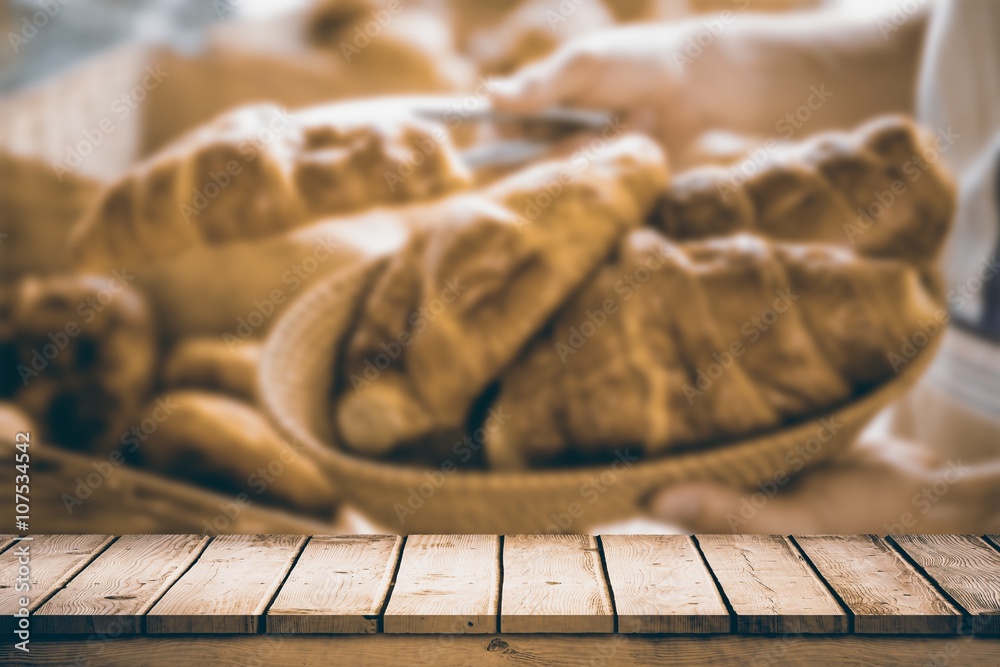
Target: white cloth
[{"x": 956, "y": 407}]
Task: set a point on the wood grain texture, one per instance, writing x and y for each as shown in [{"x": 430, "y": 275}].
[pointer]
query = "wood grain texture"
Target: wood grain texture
[
  {"x": 966, "y": 568},
  {"x": 229, "y": 587},
  {"x": 883, "y": 591},
  {"x": 554, "y": 583},
  {"x": 111, "y": 595},
  {"x": 770, "y": 586},
  {"x": 53, "y": 560},
  {"x": 446, "y": 584},
  {"x": 535, "y": 650},
  {"x": 660, "y": 584},
  {"x": 6, "y": 541},
  {"x": 338, "y": 585},
  {"x": 994, "y": 539}
]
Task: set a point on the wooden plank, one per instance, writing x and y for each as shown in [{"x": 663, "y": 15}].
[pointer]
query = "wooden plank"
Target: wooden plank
[
  {"x": 53, "y": 560},
  {"x": 770, "y": 586},
  {"x": 661, "y": 585},
  {"x": 229, "y": 587},
  {"x": 338, "y": 585},
  {"x": 995, "y": 539},
  {"x": 446, "y": 584},
  {"x": 966, "y": 568},
  {"x": 883, "y": 591},
  {"x": 613, "y": 650},
  {"x": 554, "y": 583},
  {"x": 111, "y": 595},
  {"x": 6, "y": 541}
]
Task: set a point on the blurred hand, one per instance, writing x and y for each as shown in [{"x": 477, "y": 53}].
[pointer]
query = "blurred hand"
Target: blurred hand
[
  {"x": 734, "y": 71},
  {"x": 639, "y": 70},
  {"x": 878, "y": 486}
]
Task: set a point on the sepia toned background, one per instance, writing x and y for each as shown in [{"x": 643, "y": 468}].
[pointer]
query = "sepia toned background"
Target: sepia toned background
[{"x": 175, "y": 381}]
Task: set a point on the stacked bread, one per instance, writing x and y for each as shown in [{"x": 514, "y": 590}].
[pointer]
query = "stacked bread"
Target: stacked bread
[{"x": 742, "y": 305}]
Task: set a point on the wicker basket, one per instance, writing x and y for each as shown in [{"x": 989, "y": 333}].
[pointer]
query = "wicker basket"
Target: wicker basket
[{"x": 296, "y": 375}]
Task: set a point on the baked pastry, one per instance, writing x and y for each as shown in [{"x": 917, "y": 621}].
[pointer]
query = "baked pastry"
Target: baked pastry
[
  {"x": 871, "y": 190},
  {"x": 227, "y": 445},
  {"x": 475, "y": 281},
  {"x": 213, "y": 364},
  {"x": 83, "y": 353},
  {"x": 258, "y": 171},
  {"x": 595, "y": 333},
  {"x": 673, "y": 345}
]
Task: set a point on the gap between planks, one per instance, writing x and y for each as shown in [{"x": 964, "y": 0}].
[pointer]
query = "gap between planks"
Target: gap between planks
[{"x": 944, "y": 596}]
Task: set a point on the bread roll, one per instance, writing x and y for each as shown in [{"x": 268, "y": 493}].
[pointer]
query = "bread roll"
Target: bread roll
[
  {"x": 673, "y": 345},
  {"x": 83, "y": 352},
  {"x": 871, "y": 190},
  {"x": 229, "y": 446},
  {"x": 471, "y": 287},
  {"x": 260, "y": 171}
]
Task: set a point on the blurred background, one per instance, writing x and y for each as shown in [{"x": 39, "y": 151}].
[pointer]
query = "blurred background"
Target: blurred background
[{"x": 139, "y": 382}]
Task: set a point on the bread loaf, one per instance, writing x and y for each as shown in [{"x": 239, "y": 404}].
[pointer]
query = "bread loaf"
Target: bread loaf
[
  {"x": 82, "y": 352},
  {"x": 476, "y": 280},
  {"x": 873, "y": 190},
  {"x": 747, "y": 309},
  {"x": 226, "y": 444},
  {"x": 259, "y": 171},
  {"x": 673, "y": 345}
]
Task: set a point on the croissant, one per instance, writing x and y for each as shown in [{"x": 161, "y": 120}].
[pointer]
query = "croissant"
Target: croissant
[
  {"x": 479, "y": 276},
  {"x": 259, "y": 170},
  {"x": 878, "y": 190},
  {"x": 737, "y": 311},
  {"x": 676, "y": 344}
]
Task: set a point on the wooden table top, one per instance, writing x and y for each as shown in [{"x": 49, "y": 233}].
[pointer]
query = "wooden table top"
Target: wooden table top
[{"x": 518, "y": 584}]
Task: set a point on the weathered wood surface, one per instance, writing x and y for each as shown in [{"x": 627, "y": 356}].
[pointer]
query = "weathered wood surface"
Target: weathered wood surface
[
  {"x": 229, "y": 587},
  {"x": 113, "y": 593},
  {"x": 339, "y": 585},
  {"x": 51, "y": 561},
  {"x": 791, "y": 588},
  {"x": 884, "y": 593},
  {"x": 446, "y": 584},
  {"x": 506, "y": 650},
  {"x": 661, "y": 584},
  {"x": 554, "y": 583},
  {"x": 965, "y": 567},
  {"x": 770, "y": 586}
]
